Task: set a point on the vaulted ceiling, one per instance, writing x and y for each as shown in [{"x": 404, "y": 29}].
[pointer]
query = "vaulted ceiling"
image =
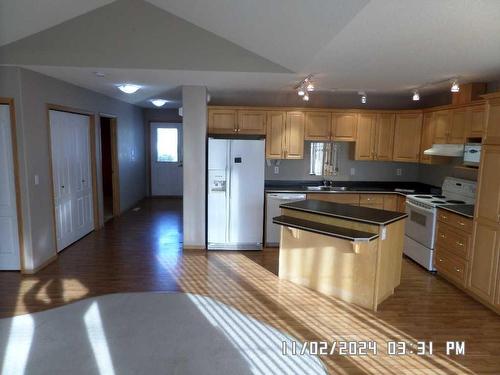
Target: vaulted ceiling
[{"x": 378, "y": 46}]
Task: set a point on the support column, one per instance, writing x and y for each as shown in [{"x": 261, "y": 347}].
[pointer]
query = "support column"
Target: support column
[{"x": 194, "y": 104}]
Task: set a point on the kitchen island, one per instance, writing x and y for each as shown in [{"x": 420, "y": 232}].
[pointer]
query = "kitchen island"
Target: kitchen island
[{"x": 350, "y": 252}]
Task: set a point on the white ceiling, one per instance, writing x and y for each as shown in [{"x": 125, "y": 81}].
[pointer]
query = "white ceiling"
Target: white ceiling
[{"x": 380, "y": 46}]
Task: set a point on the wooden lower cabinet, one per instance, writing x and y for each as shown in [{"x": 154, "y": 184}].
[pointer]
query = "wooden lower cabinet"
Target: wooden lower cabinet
[
  {"x": 390, "y": 202},
  {"x": 483, "y": 277},
  {"x": 346, "y": 198},
  {"x": 372, "y": 200},
  {"x": 453, "y": 244},
  {"x": 401, "y": 203}
]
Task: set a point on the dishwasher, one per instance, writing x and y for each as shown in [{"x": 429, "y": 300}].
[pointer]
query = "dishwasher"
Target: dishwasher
[{"x": 273, "y": 201}]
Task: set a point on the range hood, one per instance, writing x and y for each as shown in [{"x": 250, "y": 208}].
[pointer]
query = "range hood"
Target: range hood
[{"x": 445, "y": 150}]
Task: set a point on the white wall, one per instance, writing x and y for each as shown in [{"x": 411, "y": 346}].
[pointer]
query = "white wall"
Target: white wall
[
  {"x": 194, "y": 101},
  {"x": 35, "y": 91}
]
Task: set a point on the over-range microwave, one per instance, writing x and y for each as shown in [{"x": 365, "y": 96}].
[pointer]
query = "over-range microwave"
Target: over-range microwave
[{"x": 472, "y": 154}]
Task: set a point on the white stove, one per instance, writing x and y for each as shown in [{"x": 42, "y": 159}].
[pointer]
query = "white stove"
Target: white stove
[{"x": 422, "y": 214}]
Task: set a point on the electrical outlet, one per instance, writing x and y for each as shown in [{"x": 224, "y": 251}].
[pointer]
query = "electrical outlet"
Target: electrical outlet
[
  {"x": 276, "y": 170},
  {"x": 399, "y": 172},
  {"x": 353, "y": 171}
]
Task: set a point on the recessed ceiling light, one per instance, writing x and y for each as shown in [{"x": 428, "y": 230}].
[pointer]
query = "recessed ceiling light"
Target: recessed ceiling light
[
  {"x": 363, "y": 96},
  {"x": 100, "y": 74},
  {"x": 416, "y": 95},
  {"x": 128, "y": 88},
  {"x": 159, "y": 102},
  {"x": 454, "y": 86}
]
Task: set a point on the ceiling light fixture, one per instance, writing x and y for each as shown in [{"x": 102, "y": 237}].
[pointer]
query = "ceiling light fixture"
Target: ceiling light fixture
[
  {"x": 454, "y": 86},
  {"x": 128, "y": 88},
  {"x": 363, "y": 96},
  {"x": 159, "y": 102},
  {"x": 416, "y": 96},
  {"x": 304, "y": 87}
]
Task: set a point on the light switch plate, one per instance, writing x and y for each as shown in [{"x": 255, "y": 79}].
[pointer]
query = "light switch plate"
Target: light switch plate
[
  {"x": 399, "y": 172},
  {"x": 353, "y": 171},
  {"x": 276, "y": 170},
  {"x": 36, "y": 180}
]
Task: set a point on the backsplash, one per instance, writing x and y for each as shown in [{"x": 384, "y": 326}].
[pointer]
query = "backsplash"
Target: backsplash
[{"x": 363, "y": 170}]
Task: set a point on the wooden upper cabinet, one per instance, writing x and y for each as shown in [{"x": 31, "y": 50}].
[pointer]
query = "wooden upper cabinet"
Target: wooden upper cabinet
[
  {"x": 442, "y": 123},
  {"x": 484, "y": 261},
  {"x": 492, "y": 133},
  {"x": 344, "y": 127},
  {"x": 222, "y": 121},
  {"x": 384, "y": 136},
  {"x": 365, "y": 137},
  {"x": 488, "y": 194},
  {"x": 477, "y": 122},
  {"x": 427, "y": 138},
  {"x": 294, "y": 135},
  {"x": 459, "y": 120},
  {"x": 275, "y": 134},
  {"x": 251, "y": 122},
  {"x": 318, "y": 126},
  {"x": 407, "y": 133}
]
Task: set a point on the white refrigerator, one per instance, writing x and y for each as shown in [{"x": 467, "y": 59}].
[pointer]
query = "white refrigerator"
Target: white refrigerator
[{"x": 235, "y": 194}]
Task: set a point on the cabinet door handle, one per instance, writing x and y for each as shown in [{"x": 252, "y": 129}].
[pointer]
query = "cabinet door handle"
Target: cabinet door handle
[
  {"x": 442, "y": 235},
  {"x": 444, "y": 217},
  {"x": 461, "y": 223},
  {"x": 457, "y": 269},
  {"x": 460, "y": 243},
  {"x": 440, "y": 260}
]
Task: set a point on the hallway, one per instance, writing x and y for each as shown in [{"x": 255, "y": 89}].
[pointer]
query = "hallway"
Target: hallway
[{"x": 142, "y": 251}]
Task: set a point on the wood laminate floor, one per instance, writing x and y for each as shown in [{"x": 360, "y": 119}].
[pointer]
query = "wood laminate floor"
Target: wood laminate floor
[{"x": 142, "y": 251}]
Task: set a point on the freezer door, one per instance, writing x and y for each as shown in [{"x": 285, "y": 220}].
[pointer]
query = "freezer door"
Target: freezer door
[
  {"x": 218, "y": 191},
  {"x": 246, "y": 192}
]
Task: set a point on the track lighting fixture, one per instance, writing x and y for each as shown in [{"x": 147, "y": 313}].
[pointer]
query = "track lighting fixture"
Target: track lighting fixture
[
  {"x": 305, "y": 87},
  {"x": 454, "y": 86},
  {"x": 416, "y": 95}
]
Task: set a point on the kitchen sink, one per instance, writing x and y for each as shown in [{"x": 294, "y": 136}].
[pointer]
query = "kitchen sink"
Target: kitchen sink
[{"x": 327, "y": 188}]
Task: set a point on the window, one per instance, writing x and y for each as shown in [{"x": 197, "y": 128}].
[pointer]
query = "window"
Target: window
[
  {"x": 167, "y": 148},
  {"x": 317, "y": 155}
]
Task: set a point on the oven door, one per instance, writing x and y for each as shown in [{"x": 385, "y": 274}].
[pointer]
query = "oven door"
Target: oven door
[{"x": 421, "y": 224}]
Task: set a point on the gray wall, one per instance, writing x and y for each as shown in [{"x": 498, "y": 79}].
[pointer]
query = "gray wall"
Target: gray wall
[
  {"x": 364, "y": 170},
  {"x": 36, "y": 91},
  {"x": 435, "y": 174}
]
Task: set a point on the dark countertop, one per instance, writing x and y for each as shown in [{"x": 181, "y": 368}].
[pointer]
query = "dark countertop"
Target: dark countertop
[
  {"x": 352, "y": 187},
  {"x": 325, "y": 229},
  {"x": 466, "y": 210},
  {"x": 346, "y": 211}
]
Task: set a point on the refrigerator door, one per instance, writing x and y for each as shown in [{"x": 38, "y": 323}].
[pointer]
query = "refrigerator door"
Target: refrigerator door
[
  {"x": 246, "y": 194},
  {"x": 218, "y": 192}
]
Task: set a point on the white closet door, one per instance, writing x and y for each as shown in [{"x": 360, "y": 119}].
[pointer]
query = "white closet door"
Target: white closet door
[
  {"x": 70, "y": 144},
  {"x": 9, "y": 235}
]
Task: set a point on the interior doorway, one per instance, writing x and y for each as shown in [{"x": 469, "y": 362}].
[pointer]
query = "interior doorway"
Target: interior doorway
[
  {"x": 166, "y": 159},
  {"x": 109, "y": 168}
]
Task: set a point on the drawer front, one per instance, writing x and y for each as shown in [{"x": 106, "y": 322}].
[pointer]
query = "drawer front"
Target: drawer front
[
  {"x": 450, "y": 266},
  {"x": 371, "y": 199},
  {"x": 455, "y": 220},
  {"x": 455, "y": 241},
  {"x": 348, "y": 198}
]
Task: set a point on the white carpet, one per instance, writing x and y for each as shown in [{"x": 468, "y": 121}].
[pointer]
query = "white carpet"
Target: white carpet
[{"x": 146, "y": 333}]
